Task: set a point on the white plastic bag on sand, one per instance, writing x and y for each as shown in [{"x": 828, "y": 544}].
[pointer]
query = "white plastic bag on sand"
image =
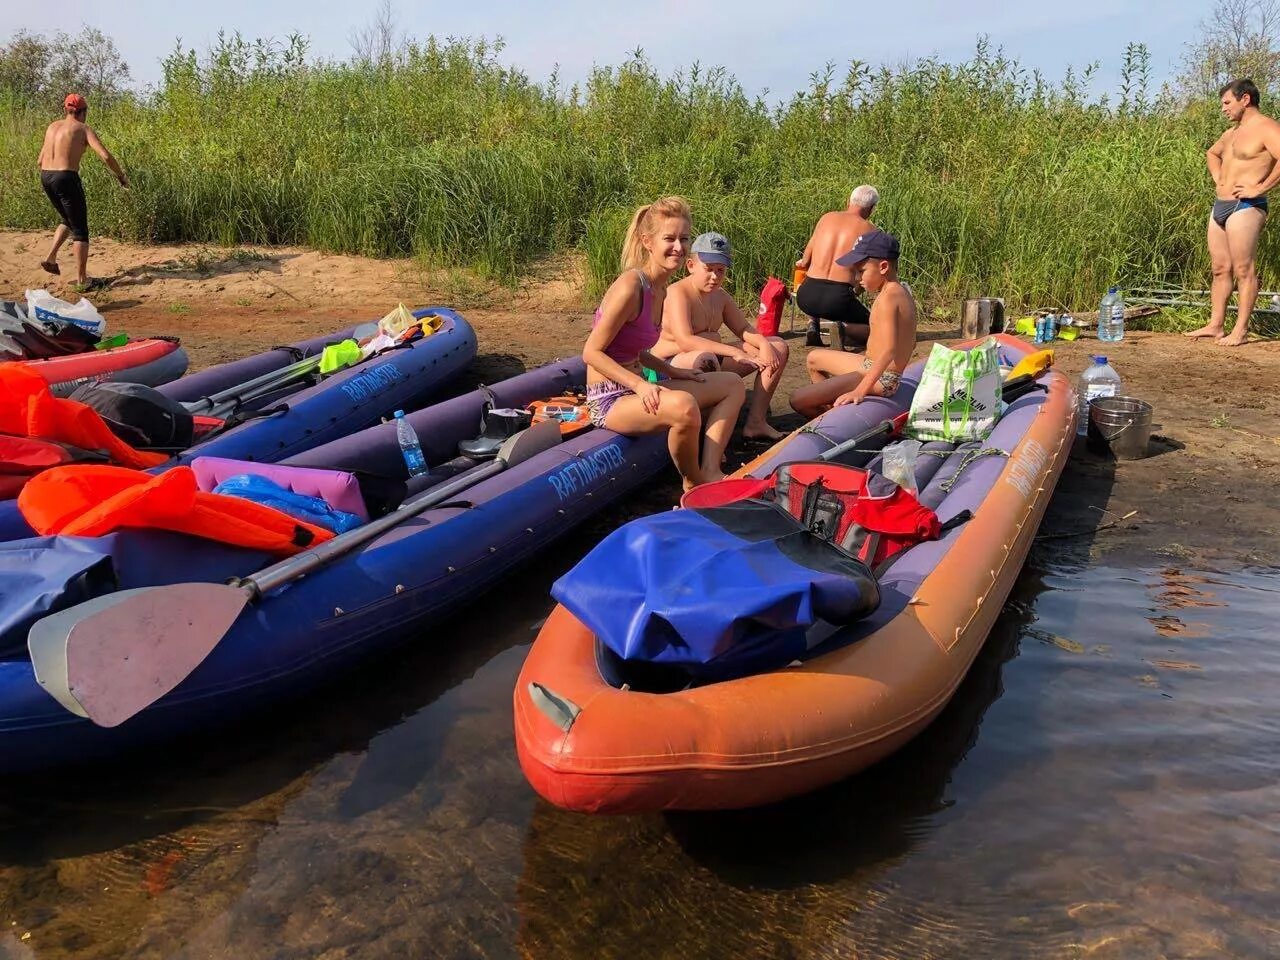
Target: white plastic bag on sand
[
  {"x": 899, "y": 463},
  {"x": 42, "y": 305},
  {"x": 397, "y": 321}
]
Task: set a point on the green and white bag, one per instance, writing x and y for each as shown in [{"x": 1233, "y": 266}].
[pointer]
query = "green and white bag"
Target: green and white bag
[{"x": 959, "y": 394}]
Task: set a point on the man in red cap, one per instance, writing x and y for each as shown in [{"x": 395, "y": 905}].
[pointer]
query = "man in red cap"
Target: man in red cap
[{"x": 64, "y": 143}]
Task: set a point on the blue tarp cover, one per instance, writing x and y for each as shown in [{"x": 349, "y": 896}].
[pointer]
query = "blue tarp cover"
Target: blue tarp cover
[
  {"x": 313, "y": 510},
  {"x": 719, "y": 592},
  {"x": 42, "y": 575}
]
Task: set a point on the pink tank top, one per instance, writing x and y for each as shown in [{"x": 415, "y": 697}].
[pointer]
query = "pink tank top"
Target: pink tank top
[{"x": 637, "y": 335}]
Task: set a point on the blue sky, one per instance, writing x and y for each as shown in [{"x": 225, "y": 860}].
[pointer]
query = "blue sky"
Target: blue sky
[{"x": 773, "y": 45}]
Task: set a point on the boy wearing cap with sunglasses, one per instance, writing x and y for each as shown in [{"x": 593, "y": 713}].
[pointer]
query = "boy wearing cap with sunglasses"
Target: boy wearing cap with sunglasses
[
  {"x": 695, "y": 310},
  {"x": 839, "y": 378},
  {"x": 64, "y": 144}
]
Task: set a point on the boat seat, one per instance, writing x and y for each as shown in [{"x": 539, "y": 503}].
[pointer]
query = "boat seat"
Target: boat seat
[{"x": 338, "y": 488}]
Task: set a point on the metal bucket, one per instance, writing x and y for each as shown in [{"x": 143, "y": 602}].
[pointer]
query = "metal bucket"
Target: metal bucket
[
  {"x": 981, "y": 316},
  {"x": 1120, "y": 427}
]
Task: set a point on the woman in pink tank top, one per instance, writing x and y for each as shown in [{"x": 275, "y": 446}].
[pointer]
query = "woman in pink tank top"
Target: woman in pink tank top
[{"x": 627, "y": 325}]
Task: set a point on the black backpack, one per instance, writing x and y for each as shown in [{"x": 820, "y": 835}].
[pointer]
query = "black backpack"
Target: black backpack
[{"x": 139, "y": 415}]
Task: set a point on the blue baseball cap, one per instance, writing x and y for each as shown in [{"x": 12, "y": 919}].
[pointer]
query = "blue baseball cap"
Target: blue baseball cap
[
  {"x": 874, "y": 245},
  {"x": 713, "y": 248}
]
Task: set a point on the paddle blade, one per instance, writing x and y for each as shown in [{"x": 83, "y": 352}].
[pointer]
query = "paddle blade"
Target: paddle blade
[
  {"x": 122, "y": 657},
  {"x": 47, "y": 644}
]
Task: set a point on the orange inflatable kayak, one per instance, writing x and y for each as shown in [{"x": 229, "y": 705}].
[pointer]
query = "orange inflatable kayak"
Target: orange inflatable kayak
[{"x": 596, "y": 735}]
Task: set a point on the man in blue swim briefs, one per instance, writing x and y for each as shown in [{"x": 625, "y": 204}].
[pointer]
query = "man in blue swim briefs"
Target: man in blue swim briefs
[{"x": 1243, "y": 166}]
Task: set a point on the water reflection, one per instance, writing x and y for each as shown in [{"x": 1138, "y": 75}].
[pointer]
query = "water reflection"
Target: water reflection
[
  {"x": 754, "y": 882},
  {"x": 1058, "y": 807},
  {"x": 1103, "y": 784}
]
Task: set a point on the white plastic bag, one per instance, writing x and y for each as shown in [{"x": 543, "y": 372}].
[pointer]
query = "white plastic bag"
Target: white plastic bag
[
  {"x": 397, "y": 321},
  {"x": 899, "y": 463},
  {"x": 958, "y": 398},
  {"x": 44, "y": 306}
]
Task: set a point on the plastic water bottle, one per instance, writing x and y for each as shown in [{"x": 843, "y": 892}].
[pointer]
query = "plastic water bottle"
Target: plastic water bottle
[
  {"x": 1111, "y": 316},
  {"x": 409, "y": 446},
  {"x": 1100, "y": 380}
]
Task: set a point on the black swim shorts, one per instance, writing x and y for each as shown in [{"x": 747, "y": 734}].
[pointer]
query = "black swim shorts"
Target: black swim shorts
[
  {"x": 66, "y": 193},
  {"x": 831, "y": 300}
]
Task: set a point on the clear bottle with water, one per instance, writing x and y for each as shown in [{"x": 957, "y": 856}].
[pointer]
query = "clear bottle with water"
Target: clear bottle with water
[
  {"x": 1111, "y": 316},
  {"x": 1099, "y": 380},
  {"x": 409, "y": 446}
]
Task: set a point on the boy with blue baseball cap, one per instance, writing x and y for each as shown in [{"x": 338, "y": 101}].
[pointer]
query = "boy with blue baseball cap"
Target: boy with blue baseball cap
[
  {"x": 838, "y": 377},
  {"x": 695, "y": 310}
]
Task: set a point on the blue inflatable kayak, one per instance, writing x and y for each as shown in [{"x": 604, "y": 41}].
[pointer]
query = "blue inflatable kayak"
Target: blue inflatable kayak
[
  {"x": 306, "y": 413},
  {"x": 313, "y": 628}
]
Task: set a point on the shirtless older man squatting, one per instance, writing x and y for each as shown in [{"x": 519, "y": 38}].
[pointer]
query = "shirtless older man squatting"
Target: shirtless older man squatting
[
  {"x": 696, "y": 309},
  {"x": 64, "y": 144},
  {"x": 1243, "y": 164},
  {"x": 830, "y": 291},
  {"x": 840, "y": 378}
]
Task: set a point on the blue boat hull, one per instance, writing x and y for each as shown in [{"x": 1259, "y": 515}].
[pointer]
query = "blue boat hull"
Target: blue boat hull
[{"x": 386, "y": 592}]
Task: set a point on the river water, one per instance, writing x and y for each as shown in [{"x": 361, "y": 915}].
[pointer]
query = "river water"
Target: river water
[{"x": 1103, "y": 785}]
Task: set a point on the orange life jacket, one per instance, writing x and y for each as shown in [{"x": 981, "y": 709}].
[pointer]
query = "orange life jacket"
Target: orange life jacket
[
  {"x": 570, "y": 410},
  {"x": 28, "y": 409},
  {"x": 92, "y": 500}
]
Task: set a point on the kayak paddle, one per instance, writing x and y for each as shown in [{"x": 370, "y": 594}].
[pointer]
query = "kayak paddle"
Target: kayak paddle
[
  {"x": 885, "y": 427},
  {"x": 110, "y": 657},
  {"x": 218, "y": 404}
]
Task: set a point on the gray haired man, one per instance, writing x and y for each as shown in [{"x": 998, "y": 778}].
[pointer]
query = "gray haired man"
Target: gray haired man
[{"x": 830, "y": 291}]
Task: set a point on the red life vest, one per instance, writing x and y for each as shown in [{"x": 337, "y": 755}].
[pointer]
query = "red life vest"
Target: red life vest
[
  {"x": 28, "y": 409},
  {"x": 91, "y": 501},
  {"x": 23, "y": 457},
  {"x": 836, "y": 502}
]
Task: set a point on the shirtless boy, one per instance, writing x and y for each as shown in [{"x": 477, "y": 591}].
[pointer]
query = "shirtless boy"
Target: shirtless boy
[
  {"x": 696, "y": 309},
  {"x": 1243, "y": 166},
  {"x": 840, "y": 378},
  {"x": 64, "y": 144},
  {"x": 830, "y": 291}
]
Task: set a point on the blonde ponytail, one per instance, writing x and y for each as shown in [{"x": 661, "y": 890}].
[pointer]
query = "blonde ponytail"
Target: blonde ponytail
[{"x": 644, "y": 223}]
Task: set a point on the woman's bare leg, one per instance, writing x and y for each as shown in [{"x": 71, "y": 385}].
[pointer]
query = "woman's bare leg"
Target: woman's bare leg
[
  {"x": 678, "y": 413},
  {"x": 721, "y": 395}
]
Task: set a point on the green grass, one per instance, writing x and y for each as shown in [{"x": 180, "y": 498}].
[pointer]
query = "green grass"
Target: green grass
[{"x": 997, "y": 182}]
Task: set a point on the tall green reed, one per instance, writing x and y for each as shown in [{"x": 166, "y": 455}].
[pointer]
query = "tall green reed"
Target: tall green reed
[{"x": 997, "y": 181}]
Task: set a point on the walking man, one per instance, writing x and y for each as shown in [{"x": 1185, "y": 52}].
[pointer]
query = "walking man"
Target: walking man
[
  {"x": 64, "y": 143},
  {"x": 1243, "y": 166},
  {"x": 830, "y": 291}
]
